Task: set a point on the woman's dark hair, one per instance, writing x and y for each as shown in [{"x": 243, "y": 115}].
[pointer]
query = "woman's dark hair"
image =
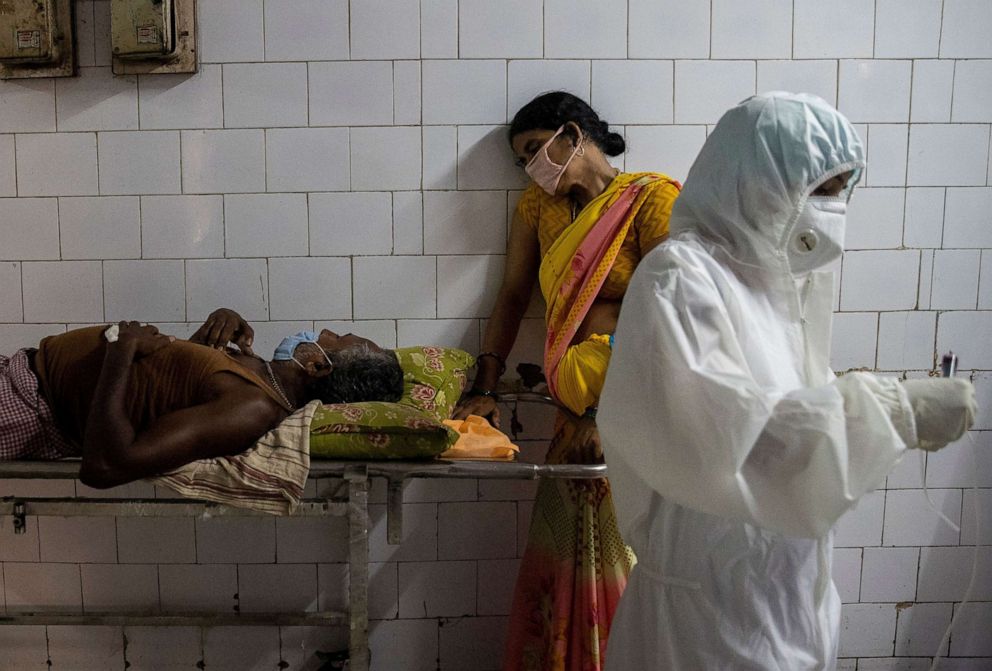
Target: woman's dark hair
[
  {"x": 551, "y": 111},
  {"x": 361, "y": 374}
]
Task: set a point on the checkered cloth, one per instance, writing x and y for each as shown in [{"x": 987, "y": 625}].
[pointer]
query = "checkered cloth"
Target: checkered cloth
[
  {"x": 27, "y": 426},
  {"x": 269, "y": 476}
]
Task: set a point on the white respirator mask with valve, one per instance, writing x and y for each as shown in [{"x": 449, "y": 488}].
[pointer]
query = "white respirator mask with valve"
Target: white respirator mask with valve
[{"x": 818, "y": 237}]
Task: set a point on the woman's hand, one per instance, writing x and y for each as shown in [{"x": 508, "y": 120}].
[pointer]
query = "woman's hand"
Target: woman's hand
[
  {"x": 140, "y": 340},
  {"x": 483, "y": 406},
  {"x": 586, "y": 444},
  {"x": 223, "y": 326}
]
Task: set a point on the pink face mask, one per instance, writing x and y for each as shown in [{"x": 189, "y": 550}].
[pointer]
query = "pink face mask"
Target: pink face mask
[{"x": 545, "y": 172}]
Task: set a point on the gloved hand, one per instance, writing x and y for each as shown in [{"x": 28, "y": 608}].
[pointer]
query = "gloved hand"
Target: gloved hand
[{"x": 944, "y": 409}]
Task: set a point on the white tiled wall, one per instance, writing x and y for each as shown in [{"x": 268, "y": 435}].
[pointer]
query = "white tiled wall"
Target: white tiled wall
[{"x": 344, "y": 164}]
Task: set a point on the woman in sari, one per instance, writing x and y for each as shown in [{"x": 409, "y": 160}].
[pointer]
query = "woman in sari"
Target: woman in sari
[{"x": 581, "y": 228}]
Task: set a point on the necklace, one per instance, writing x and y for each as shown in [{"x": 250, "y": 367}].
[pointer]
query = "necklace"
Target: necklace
[
  {"x": 575, "y": 205},
  {"x": 277, "y": 386}
]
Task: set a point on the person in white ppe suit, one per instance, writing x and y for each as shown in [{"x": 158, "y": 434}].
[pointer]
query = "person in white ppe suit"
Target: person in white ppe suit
[{"x": 731, "y": 446}]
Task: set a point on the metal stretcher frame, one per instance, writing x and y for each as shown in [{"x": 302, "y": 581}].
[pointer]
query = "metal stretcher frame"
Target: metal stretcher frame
[{"x": 353, "y": 505}]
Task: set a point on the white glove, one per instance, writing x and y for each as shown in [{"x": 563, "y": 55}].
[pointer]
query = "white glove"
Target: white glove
[{"x": 944, "y": 409}]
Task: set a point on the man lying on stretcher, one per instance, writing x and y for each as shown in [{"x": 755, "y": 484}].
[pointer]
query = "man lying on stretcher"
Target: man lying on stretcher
[{"x": 148, "y": 403}]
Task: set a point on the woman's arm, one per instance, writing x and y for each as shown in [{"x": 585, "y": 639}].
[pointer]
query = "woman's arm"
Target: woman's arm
[{"x": 522, "y": 263}]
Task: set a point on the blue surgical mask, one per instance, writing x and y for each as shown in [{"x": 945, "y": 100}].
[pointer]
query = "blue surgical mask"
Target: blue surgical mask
[{"x": 284, "y": 352}]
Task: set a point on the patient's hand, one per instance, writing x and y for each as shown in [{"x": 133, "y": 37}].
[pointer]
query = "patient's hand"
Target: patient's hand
[
  {"x": 483, "y": 406},
  {"x": 140, "y": 340},
  {"x": 223, "y": 326}
]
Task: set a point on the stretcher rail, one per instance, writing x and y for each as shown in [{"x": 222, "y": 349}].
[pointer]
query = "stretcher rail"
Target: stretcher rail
[
  {"x": 391, "y": 470},
  {"x": 350, "y": 501}
]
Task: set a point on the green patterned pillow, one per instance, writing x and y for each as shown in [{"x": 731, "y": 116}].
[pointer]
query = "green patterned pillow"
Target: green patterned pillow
[
  {"x": 433, "y": 378},
  {"x": 377, "y": 430}
]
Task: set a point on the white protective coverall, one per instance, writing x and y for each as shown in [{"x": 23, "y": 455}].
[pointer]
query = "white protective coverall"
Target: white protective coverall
[{"x": 732, "y": 448}]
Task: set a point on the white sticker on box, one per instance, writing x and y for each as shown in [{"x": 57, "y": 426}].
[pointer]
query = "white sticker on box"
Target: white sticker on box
[
  {"x": 28, "y": 39},
  {"x": 148, "y": 34}
]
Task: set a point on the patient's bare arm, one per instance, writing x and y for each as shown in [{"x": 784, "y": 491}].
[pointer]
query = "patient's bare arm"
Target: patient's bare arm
[
  {"x": 224, "y": 325},
  {"x": 108, "y": 429},
  {"x": 235, "y": 415}
]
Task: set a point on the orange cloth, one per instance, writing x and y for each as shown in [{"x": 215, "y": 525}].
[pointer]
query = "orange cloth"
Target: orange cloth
[{"x": 478, "y": 439}]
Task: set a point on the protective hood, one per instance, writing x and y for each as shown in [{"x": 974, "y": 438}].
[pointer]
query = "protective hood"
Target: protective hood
[
  {"x": 732, "y": 448},
  {"x": 759, "y": 164}
]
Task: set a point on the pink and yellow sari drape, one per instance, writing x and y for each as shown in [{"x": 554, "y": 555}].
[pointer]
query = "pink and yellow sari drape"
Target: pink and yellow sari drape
[
  {"x": 574, "y": 269},
  {"x": 575, "y": 567}
]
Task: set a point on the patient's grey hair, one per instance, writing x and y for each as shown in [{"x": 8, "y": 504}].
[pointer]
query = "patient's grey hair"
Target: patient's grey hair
[{"x": 361, "y": 374}]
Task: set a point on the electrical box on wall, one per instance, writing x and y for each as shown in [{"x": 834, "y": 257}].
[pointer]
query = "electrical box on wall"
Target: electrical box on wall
[
  {"x": 151, "y": 36},
  {"x": 142, "y": 29},
  {"x": 36, "y": 39}
]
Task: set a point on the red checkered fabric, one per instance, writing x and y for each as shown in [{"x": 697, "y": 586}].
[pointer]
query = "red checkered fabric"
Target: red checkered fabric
[{"x": 27, "y": 426}]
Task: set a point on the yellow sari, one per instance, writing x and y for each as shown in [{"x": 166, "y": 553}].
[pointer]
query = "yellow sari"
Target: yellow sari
[
  {"x": 575, "y": 268},
  {"x": 575, "y": 566}
]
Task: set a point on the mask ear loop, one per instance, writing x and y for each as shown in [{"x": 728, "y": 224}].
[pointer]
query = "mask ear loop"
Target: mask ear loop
[
  {"x": 322, "y": 351},
  {"x": 580, "y": 145},
  {"x": 579, "y": 150},
  {"x": 544, "y": 148},
  {"x": 326, "y": 357}
]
